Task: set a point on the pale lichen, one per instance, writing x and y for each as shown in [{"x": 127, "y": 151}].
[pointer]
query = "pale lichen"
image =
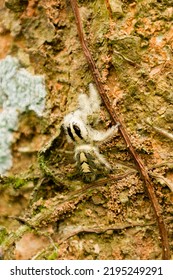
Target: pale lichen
[{"x": 20, "y": 91}]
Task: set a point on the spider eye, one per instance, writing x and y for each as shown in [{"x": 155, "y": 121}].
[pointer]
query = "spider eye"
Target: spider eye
[
  {"x": 77, "y": 131},
  {"x": 70, "y": 133}
]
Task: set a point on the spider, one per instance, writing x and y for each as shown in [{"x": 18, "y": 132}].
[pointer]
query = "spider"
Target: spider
[{"x": 78, "y": 129}]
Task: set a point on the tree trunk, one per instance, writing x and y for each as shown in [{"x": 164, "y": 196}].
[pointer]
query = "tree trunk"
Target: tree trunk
[{"x": 44, "y": 201}]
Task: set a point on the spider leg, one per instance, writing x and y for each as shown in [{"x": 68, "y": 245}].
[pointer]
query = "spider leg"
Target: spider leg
[
  {"x": 84, "y": 105},
  {"x": 94, "y": 99},
  {"x": 103, "y": 136},
  {"x": 101, "y": 159},
  {"x": 89, "y": 104}
]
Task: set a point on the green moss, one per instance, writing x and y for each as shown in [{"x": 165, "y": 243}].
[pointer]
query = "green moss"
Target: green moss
[
  {"x": 127, "y": 47},
  {"x": 16, "y": 5},
  {"x": 52, "y": 256},
  {"x": 13, "y": 181},
  {"x": 3, "y": 234},
  {"x": 19, "y": 182}
]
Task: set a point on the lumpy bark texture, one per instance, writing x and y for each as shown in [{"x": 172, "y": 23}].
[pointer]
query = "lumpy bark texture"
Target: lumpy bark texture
[{"x": 46, "y": 211}]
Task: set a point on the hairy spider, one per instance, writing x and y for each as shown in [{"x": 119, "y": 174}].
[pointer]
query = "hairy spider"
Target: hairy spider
[{"x": 77, "y": 126}]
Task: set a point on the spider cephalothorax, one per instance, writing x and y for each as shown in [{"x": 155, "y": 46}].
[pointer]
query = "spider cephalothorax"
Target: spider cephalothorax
[{"x": 76, "y": 129}]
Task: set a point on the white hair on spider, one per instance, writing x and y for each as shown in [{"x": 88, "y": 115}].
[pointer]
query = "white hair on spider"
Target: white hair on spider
[
  {"x": 77, "y": 126},
  {"x": 89, "y": 105}
]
